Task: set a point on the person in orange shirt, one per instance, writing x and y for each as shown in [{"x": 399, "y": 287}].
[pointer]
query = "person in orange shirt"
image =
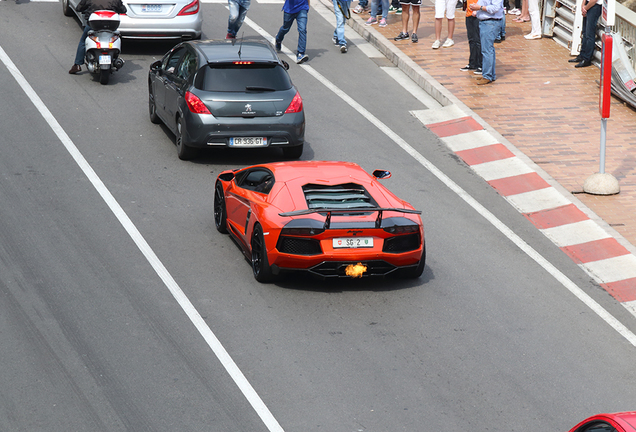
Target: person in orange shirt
[{"x": 474, "y": 43}]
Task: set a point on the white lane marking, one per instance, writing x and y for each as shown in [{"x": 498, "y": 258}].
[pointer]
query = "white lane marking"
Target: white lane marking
[
  {"x": 575, "y": 233},
  {"x": 518, "y": 241},
  {"x": 194, "y": 316}
]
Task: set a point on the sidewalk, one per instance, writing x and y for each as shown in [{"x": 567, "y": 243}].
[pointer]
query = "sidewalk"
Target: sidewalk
[{"x": 544, "y": 112}]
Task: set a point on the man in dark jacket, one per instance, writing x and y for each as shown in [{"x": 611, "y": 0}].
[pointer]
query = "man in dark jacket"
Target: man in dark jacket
[{"x": 88, "y": 7}]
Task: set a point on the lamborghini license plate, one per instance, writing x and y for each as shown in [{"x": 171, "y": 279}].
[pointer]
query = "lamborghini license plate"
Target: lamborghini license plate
[
  {"x": 352, "y": 242},
  {"x": 248, "y": 142}
]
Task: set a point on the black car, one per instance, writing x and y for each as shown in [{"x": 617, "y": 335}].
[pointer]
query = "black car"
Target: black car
[{"x": 226, "y": 93}]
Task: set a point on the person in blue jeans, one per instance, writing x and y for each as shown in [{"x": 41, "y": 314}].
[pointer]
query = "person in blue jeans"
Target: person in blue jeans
[
  {"x": 502, "y": 32},
  {"x": 489, "y": 13},
  {"x": 238, "y": 11},
  {"x": 363, "y": 6},
  {"x": 295, "y": 10},
  {"x": 384, "y": 5},
  {"x": 591, "y": 12},
  {"x": 339, "y": 33}
]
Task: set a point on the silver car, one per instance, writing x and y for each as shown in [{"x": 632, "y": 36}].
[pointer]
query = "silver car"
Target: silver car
[{"x": 154, "y": 19}]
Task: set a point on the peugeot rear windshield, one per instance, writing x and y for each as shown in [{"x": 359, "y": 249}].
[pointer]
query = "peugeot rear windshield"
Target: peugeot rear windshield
[{"x": 230, "y": 77}]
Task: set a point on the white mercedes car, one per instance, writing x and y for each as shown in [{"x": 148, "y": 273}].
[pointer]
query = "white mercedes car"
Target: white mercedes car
[{"x": 154, "y": 19}]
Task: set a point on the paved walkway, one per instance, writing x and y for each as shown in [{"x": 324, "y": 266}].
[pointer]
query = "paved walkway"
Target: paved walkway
[{"x": 545, "y": 112}]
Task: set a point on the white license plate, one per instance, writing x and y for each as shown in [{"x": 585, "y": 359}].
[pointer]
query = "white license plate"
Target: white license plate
[
  {"x": 151, "y": 8},
  {"x": 104, "y": 59},
  {"x": 248, "y": 142},
  {"x": 352, "y": 242}
]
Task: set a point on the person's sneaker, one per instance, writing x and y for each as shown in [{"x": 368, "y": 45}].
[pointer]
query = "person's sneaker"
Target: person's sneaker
[
  {"x": 343, "y": 49},
  {"x": 477, "y": 71},
  {"x": 335, "y": 40},
  {"x": 230, "y": 36},
  {"x": 392, "y": 9},
  {"x": 449, "y": 43},
  {"x": 301, "y": 58},
  {"x": 466, "y": 68},
  {"x": 436, "y": 44},
  {"x": 401, "y": 36},
  {"x": 75, "y": 69},
  {"x": 414, "y": 38},
  {"x": 359, "y": 9},
  {"x": 398, "y": 11},
  {"x": 382, "y": 23},
  {"x": 278, "y": 46},
  {"x": 371, "y": 21}
]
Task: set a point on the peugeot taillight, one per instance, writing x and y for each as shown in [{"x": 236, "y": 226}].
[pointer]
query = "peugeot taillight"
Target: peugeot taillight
[
  {"x": 195, "y": 105},
  {"x": 296, "y": 105},
  {"x": 190, "y": 8}
]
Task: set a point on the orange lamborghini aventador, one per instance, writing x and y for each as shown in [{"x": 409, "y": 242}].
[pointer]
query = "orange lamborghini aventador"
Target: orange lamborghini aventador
[{"x": 331, "y": 219}]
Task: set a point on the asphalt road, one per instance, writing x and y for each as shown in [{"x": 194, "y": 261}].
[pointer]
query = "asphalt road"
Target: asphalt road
[{"x": 93, "y": 340}]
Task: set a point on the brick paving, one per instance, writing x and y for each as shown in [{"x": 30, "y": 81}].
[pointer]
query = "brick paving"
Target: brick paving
[{"x": 541, "y": 104}]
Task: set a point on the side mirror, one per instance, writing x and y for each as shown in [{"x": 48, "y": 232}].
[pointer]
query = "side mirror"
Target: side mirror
[
  {"x": 285, "y": 64},
  {"x": 382, "y": 174},
  {"x": 156, "y": 65},
  {"x": 227, "y": 176}
]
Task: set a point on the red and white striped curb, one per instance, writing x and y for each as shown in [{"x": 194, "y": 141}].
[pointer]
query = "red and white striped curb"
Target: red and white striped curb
[{"x": 597, "y": 252}]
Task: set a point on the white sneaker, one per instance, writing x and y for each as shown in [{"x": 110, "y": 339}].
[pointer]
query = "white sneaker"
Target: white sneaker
[
  {"x": 437, "y": 44},
  {"x": 449, "y": 43}
]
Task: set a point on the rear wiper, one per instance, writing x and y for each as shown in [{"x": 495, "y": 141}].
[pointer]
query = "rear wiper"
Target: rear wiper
[{"x": 258, "y": 88}]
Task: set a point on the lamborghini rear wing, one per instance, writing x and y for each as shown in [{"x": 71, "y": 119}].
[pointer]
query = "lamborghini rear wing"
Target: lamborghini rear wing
[{"x": 330, "y": 211}]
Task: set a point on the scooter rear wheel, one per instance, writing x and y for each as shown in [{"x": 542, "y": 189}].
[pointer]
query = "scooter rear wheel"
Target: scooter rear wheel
[{"x": 104, "y": 76}]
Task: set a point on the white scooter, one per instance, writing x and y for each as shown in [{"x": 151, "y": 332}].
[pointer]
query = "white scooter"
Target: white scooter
[{"x": 103, "y": 44}]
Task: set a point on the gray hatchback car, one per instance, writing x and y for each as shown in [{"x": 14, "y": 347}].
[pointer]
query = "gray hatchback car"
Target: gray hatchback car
[{"x": 226, "y": 93}]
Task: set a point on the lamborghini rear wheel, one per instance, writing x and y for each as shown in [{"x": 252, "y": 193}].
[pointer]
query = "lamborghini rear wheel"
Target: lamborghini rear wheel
[
  {"x": 220, "y": 211},
  {"x": 414, "y": 272},
  {"x": 260, "y": 265}
]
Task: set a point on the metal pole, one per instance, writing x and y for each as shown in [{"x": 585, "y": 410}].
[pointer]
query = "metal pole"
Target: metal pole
[{"x": 603, "y": 133}]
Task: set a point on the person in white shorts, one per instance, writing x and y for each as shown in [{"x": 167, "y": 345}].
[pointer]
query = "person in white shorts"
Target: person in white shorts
[{"x": 444, "y": 7}]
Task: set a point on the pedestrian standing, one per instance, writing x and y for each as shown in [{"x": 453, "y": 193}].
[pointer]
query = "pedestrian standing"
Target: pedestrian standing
[
  {"x": 474, "y": 43},
  {"x": 375, "y": 4},
  {"x": 591, "y": 12},
  {"x": 238, "y": 11},
  {"x": 409, "y": 7},
  {"x": 363, "y": 6},
  {"x": 444, "y": 7},
  {"x": 535, "y": 20},
  {"x": 295, "y": 10},
  {"x": 339, "y": 6},
  {"x": 489, "y": 13}
]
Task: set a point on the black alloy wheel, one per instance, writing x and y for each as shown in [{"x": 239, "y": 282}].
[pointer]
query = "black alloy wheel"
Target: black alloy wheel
[
  {"x": 220, "y": 212},
  {"x": 152, "y": 109},
  {"x": 260, "y": 265},
  {"x": 183, "y": 151}
]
